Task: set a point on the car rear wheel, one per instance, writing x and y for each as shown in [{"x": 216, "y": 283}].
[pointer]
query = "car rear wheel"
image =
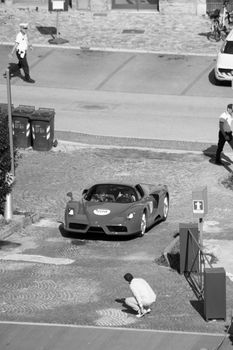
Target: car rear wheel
[
  {"x": 165, "y": 208},
  {"x": 143, "y": 225}
]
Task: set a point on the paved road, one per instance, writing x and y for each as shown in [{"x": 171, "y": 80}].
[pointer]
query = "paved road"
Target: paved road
[
  {"x": 16, "y": 336},
  {"x": 170, "y": 97}
]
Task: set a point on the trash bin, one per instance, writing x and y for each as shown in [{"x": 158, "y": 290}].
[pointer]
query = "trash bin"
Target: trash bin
[
  {"x": 21, "y": 126},
  {"x": 42, "y": 124}
]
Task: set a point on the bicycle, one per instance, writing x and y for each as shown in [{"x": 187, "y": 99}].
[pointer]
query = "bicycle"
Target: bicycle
[{"x": 218, "y": 30}]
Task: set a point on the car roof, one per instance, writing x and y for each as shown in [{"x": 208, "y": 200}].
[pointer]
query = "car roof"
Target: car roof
[{"x": 114, "y": 184}]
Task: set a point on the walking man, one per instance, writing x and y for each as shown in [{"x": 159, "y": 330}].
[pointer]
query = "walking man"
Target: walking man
[
  {"x": 21, "y": 47},
  {"x": 225, "y": 132},
  {"x": 143, "y": 295}
]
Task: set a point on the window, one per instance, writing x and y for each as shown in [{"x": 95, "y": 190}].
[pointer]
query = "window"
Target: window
[{"x": 136, "y": 4}]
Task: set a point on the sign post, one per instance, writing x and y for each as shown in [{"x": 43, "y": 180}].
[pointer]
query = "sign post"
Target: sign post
[
  {"x": 200, "y": 208},
  {"x": 58, "y": 6},
  {"x": 8, "y": 212}
]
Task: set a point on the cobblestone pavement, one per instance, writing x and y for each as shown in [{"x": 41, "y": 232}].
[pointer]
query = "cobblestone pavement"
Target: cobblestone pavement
[
  {"x": 166, "y": 31},
  {"x": 84, "y": 292}
]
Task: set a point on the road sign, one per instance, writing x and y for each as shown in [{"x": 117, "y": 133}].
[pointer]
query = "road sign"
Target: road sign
[
  {"x": 58, "y": 5},
  {"x": 199, "y": 202},
  {"x": 198, "y": 207}
]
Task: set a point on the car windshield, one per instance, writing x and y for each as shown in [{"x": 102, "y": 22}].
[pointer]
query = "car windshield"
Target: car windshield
[
  {"x": 228, "y": 48},
  {"x": 111, "y": 193}
]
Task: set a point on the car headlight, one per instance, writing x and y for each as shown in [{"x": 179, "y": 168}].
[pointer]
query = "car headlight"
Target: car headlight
[
  {"x": 130, "y": 216},
  {"x": 70, "y": 211}
]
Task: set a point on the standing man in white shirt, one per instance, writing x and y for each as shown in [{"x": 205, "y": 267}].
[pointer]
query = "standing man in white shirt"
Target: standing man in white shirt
[
  {"x": 143, "y": 295},
  {"x": 225, "y": 132},
  {"x": 21, "y": 47}
]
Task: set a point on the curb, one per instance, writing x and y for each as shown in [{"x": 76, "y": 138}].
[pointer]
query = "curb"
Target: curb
[
  {"x": 18, "y": 222},
  {"x": 111, "y": 49}
]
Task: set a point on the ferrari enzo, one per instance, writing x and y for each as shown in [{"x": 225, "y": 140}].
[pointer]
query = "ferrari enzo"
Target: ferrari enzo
[{"x": 117, "y": 209}]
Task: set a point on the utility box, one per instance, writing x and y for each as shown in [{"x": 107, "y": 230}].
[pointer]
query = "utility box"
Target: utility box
[
  {"x": 189, "y": 248},
  {"x": 21, "y": 126},
  {"x": 42, "y": 123},
  {"x": 58, "y": 5},
  {"x": 200, "y": 202},
  {"x": 215, "y": 293}
]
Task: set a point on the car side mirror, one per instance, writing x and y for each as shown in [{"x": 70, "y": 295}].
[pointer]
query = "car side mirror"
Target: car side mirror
[{"x": 70, "y": 195}]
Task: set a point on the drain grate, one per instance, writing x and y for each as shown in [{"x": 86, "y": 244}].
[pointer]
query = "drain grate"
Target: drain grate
[{"x": 133, "y": 31}]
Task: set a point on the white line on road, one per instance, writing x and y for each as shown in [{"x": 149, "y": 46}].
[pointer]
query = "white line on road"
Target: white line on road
[
  {"x": 115, "y": 328},
  {"x": 110, "y": 49}
]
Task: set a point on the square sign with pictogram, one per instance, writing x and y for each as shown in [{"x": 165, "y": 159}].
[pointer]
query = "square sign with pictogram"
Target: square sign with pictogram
[
  {"x": 198, "y": 206},
  {"x": 58, "y": 5},
  {"x": 199, "y": 202}
]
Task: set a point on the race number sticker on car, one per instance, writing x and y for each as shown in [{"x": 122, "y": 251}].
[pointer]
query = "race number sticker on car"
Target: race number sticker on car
[{"x": 101, "y": 211}]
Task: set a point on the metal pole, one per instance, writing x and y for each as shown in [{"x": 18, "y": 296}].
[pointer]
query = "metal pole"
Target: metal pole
[
  {"x": 200, "y": 224},
  {"x": 57, "y": 25},
  {"x": 8, "y": 213}
]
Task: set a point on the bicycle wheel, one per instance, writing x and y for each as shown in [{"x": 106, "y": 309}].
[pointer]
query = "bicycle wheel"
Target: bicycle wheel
[{"x": 214, "y": 36}]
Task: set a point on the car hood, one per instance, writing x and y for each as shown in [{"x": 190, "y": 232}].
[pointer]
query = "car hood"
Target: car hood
[
  {"x": 225, "y": 61},
  {"x": 105, "y": 211}
]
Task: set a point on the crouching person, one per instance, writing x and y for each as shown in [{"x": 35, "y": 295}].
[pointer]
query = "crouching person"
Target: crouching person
[{"x": 143, "y": 295}]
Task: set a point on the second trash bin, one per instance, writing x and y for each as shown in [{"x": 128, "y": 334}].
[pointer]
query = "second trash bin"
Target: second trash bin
[
  {"x": 21, "y": 125},
  {"x": 42, "y": 124}
]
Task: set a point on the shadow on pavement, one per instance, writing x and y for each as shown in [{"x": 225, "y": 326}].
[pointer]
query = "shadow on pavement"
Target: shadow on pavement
[
  {"x": 14, "y": 71},
  {"x": 126, "y": 309},
  {"x": 211, "y": 151},
  {"x": 47, "y": 30},
  {"x": 204, "y": 34},
  {"x": 198, "y": 305},
  {"x": 8, "y": 245}
]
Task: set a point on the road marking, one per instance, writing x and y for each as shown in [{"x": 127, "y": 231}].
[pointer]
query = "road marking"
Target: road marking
[
  {"x": 111, "y": 329},
  {"x": 109, "y": 49},
  {"x": 37, "y": 259}
]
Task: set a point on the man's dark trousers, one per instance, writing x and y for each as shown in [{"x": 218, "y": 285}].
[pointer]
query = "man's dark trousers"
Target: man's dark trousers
[
  {"x": 221, "y": 143},
  {"x": 23, "y": 63}
]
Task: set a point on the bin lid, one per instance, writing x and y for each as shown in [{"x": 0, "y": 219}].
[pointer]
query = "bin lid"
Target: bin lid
[
  {"x": 43, "y": 114},
  {"x": 23, "y": 111}
]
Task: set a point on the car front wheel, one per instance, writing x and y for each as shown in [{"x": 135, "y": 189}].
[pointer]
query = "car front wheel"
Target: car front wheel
[{"x": 143, "y": 225}]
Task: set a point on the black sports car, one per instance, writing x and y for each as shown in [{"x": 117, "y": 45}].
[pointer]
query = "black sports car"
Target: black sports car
[{"x": 117, "y": 209}]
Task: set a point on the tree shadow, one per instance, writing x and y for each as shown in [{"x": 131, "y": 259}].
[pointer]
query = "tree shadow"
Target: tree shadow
[{"x": 94, "y": 236}]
